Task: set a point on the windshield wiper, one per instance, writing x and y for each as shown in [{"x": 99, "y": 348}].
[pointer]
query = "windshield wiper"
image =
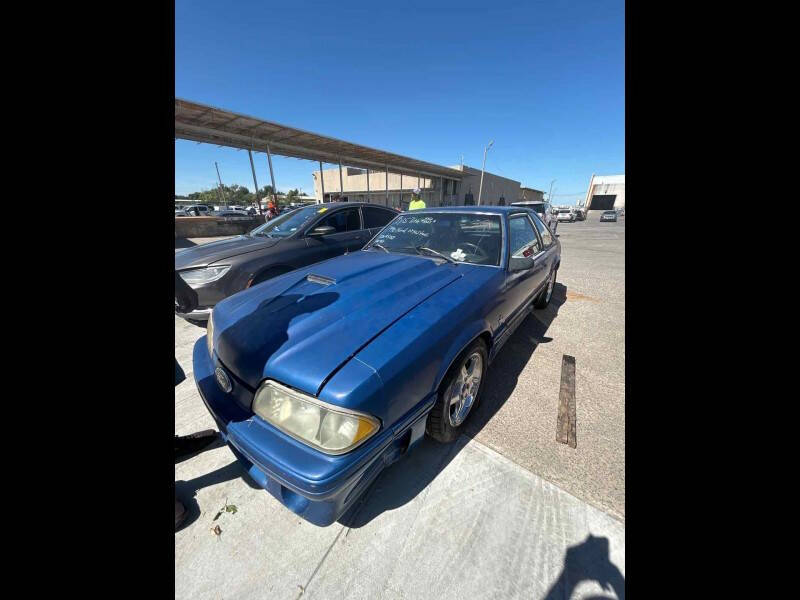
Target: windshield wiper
[
  {"x": 381, "y": 246},
  {"x": 419, "y": 249}
]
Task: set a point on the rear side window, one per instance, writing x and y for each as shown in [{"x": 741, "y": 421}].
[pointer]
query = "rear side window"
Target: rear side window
[
  {"x": 376, "y": 217},
  {"x": 522, "y": 236},
  {"x": 547, "y": 238},
  {"x": 344, "y": 220}
]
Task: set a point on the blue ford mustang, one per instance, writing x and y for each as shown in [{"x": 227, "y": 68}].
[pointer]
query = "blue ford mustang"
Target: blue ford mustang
[{"x": 320, "y": 378}]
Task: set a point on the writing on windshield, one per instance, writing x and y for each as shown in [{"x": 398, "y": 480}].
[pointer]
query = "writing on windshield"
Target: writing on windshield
[{"x": 466, "y": 238}]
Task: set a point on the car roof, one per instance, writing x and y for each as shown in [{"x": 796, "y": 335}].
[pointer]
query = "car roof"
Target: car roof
[
  {"x": 476, "y": 209},
  {"x": 341, "y": 204}
]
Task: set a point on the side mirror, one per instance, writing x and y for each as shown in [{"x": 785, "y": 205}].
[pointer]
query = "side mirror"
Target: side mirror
[
  {"x": 322, "y": 230},
  {"x": 521, "y": 263}
]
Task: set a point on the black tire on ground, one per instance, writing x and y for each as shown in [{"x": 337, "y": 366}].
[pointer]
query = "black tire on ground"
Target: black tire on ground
[
  {"x": 543, "y": 299},
  {"x": 438, "y": 425}
]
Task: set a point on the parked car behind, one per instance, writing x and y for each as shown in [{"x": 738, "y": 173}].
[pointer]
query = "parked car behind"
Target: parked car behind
[
  {"x": 197, "y": 210},
  {"x": 296, "y": 239},
  {"x": 566, "y": 214},
  {"x": 320, "y": 378},
  {"x": 609, "y": 215},
  {"x": 240, "y": 214},
  {"x": 543, "y": 209}
]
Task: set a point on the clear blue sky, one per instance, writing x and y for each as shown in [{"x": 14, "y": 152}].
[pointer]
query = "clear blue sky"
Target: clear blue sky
[{"x": 544, "y": 80}]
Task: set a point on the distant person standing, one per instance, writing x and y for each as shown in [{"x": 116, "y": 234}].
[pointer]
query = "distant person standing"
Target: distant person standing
[
  {"x": 272, "y": 211},
  {"x": 416, "y": 202}
]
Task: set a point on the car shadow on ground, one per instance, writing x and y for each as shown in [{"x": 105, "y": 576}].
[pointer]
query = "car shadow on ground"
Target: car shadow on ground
[
  {"x": 404, "y": 480},
  {"x": 586, "y": 562},
  {"x": 186, "y": 491}
]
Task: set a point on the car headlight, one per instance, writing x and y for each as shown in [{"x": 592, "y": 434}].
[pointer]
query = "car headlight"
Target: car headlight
[
  {"x": 195, "y": 277},
  {"x": 327, "y": 428},
  {"x": 210, "y": 334}
]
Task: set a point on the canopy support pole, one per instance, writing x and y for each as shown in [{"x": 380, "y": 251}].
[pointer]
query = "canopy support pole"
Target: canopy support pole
[
  {"x": 341, "y": 184},
  {"x": 255, "y": 183},
  {"x": 272, "y": 177},
  {"x": 322, "y": 181}
]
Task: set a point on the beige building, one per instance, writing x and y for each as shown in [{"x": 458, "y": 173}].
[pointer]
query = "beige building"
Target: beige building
[
  {"x": 435, "y": 191},
  {"x": 526, "y": 193}
]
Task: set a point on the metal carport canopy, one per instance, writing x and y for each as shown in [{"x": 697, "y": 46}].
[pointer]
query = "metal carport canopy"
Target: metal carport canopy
[{"x": 203, "y": 123}]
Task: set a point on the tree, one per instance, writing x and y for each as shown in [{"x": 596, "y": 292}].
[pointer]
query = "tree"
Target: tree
[{"x": 234, "y": 195}]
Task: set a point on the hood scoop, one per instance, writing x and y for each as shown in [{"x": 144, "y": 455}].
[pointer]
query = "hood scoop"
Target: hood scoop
[{"x": 320, "y": 279}]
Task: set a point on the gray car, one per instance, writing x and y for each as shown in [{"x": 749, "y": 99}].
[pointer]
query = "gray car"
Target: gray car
[
  {"x": 543, "y": 209},
  {"x": 298, "y": 238}
]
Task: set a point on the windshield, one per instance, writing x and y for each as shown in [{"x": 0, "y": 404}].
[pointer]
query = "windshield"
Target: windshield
[
  {"x": 286, "y": 224},
  {"x": 564, "y": 210},
  {"x": 470, "y": 238}
]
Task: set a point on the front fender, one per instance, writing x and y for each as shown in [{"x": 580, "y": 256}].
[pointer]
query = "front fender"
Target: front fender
[{"x": 467, "y": 335}]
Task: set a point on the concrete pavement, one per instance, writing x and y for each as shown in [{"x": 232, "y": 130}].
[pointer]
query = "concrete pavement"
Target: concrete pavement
[{"x": 448, "y": 521}]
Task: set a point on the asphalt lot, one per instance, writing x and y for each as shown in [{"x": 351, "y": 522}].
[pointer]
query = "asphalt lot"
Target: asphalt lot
[
  {"x": 540, "y": 518},
  {"x": 585, "y": 319}
]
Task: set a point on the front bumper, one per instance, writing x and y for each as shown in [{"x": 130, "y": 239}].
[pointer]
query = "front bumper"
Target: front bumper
[{"x": 316, "y": 486}]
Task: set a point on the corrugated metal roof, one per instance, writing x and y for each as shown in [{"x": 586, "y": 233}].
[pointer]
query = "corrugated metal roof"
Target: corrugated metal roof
[{"x": 203, "y": 123}]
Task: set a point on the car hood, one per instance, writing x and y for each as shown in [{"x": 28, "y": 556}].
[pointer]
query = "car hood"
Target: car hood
[
  {"x": 205, "y": 254},
  {"x": 299, "y": 329}
]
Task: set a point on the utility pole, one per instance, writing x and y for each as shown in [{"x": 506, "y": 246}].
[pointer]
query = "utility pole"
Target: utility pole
[
  {"x": 222, "y": 189},
  {"x": 480, "y": 189},
  {"x": 550, "y": 193}
]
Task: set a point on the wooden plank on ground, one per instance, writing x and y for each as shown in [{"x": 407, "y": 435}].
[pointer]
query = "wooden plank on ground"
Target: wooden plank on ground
[{"x": 566, "y": 423}]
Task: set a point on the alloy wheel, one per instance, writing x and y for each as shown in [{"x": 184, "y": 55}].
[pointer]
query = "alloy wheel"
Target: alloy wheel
[{"x": 464, "y": 389}]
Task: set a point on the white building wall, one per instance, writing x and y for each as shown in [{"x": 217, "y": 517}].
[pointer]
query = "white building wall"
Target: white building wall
[
  {"x": 602, "y": 185},
  {"x": 355, "y": 185}
]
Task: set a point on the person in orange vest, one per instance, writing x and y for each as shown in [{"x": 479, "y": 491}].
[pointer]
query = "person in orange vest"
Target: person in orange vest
[{"x": 272, "y": 211}]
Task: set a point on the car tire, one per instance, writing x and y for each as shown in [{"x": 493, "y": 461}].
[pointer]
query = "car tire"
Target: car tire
[
  {"x": 447, "y": 417},
  {"x": 543, "y": 299}
]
